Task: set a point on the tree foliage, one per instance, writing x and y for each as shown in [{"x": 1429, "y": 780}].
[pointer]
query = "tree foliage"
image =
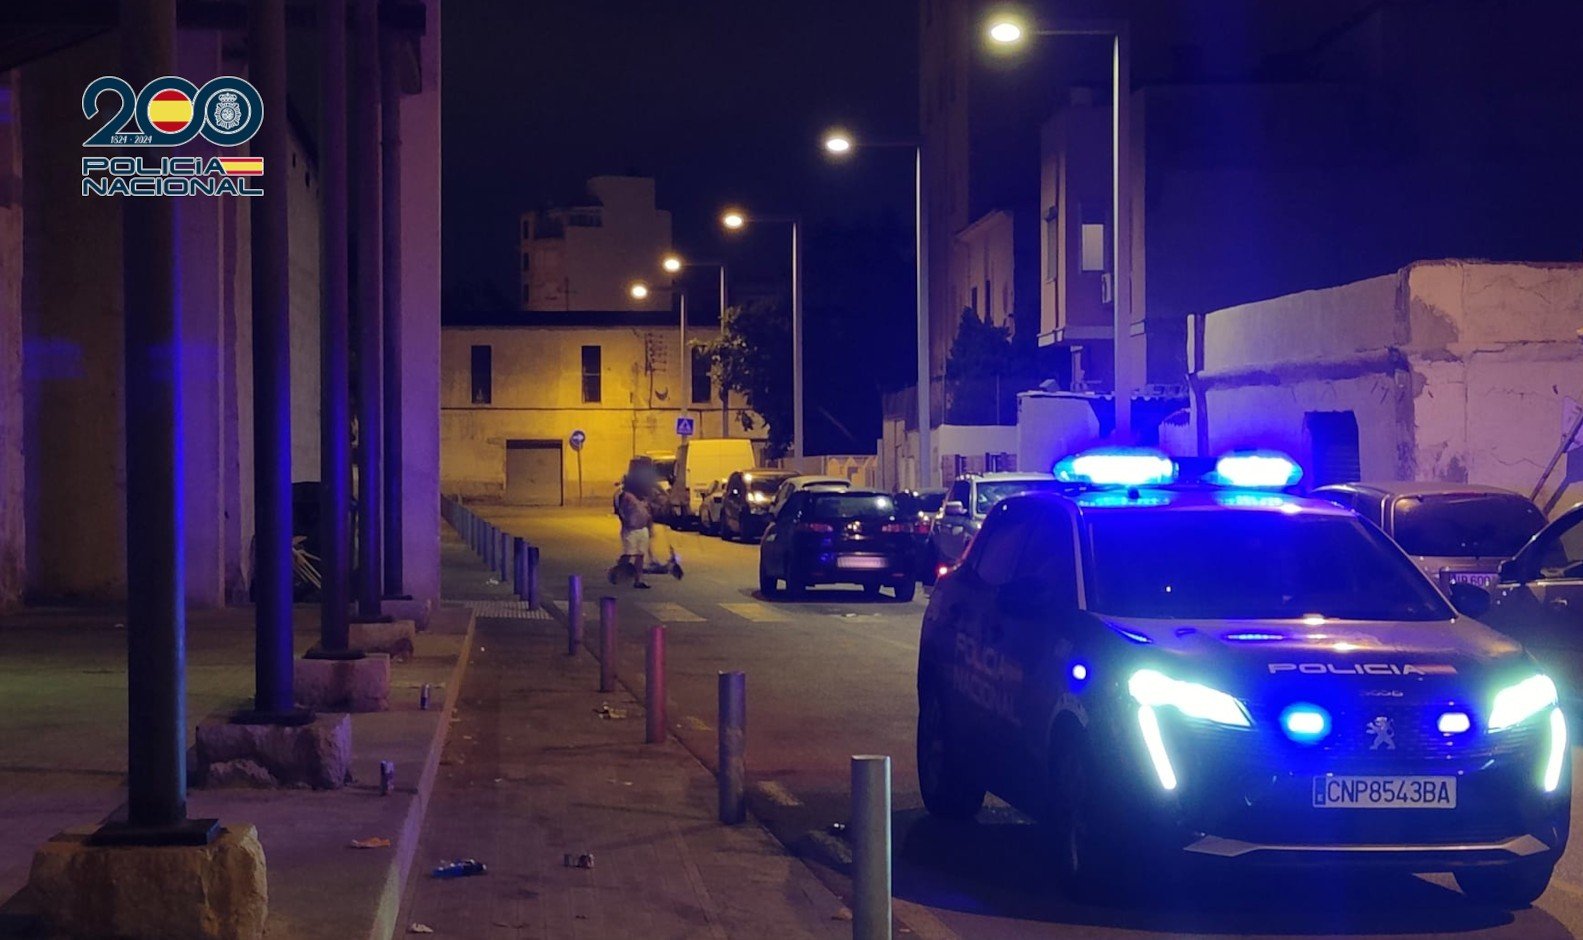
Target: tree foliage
[
  {"x": 753, "y": 358},
  {"x": 983, "y": 373}
]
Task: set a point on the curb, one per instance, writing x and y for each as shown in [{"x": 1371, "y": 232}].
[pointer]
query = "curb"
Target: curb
[{"x": 394, "y": 896}]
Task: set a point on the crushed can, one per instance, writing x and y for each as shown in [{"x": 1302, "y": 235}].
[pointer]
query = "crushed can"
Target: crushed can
[
  {"x": 460, "y": 868},
  {"x": 387, "y": 777},
  {"x": 423, "y": 698}
]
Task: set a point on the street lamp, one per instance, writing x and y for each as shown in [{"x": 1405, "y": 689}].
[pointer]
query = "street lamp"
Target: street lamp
[
  {"x": 673, "y": 264},
  {"x": 736, "y": 219},
  {"x": 1008, "y": 31},
  {"x": 638, "y": 290},
  {"x": 839, "y": 143}
]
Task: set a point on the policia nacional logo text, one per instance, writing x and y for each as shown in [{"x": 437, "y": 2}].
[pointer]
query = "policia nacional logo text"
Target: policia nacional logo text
[{"x": 169, "y": 112}]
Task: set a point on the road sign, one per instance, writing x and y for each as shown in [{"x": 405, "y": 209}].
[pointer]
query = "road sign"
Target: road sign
[
  {"x": 684, "y": 427},
  {"x": 577, "y": 439}
]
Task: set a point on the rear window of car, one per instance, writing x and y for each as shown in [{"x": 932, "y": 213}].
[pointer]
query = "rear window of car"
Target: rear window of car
[
  {"x": 761, "y": 484},
  {"x": 851, "y": 506},
  {"x": 1465, "y": 525},
  {"x": 931, "y": 502},
  {"x": 1253, "y": 566}
]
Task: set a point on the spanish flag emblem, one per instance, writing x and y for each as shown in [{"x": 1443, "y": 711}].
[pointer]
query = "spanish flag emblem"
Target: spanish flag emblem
[
  {"x": 170, "y": 110},
  {"x": 242, "y": 166}
]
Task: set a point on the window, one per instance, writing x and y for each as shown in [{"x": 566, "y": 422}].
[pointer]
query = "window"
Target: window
[
  {"x": 525, "y": 264},
  {"x": 1561, "y": 553},
  {"x": 1465, "y": 525},
  {"x": 1093, "y": 246},
  {"x": 527, "y": 228},
  {"x": 989, "y": 301},
  {"x": 1049, "y": 557},
  {"x": 998, "y": 545},
  {"x": 483, "y": 384},
  {"x": 701, "y": 366},
  {"x": 973, "y": 304},
  {"x": 591, "y": 374},
  {"x": 960, "y": 491}
]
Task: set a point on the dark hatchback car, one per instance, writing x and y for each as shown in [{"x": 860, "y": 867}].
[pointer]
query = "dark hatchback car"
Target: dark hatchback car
[
  {"x": 838, "y": 537},
  {"x": 745, "y": 510}
]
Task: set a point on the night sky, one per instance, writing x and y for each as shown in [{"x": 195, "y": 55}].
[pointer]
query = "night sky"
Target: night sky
[{"x": 720, "y": 100}]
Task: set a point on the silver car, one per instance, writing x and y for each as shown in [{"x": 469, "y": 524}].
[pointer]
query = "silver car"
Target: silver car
[
  {"x": 1455, "y": 532},
  {"x": 966, "y": 503}
]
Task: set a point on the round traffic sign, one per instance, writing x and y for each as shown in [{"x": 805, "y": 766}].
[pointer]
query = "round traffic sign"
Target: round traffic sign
[{"x": 577, "y": 439}]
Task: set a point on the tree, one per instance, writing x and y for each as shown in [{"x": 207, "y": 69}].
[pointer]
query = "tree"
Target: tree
[
  {"x": 983, "y": 373},
  {"x": 754, "y": 359}
]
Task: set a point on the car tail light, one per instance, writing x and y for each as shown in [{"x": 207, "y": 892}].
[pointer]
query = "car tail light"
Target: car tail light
[
  {"x": 921, "y": 528},
  {"x": 814, "y": 527},
  {"x": 895, "y": 527}
]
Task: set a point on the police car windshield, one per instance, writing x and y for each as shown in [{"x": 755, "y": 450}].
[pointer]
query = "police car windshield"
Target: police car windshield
[
  {"x": 1465, "y": 525},
  {"x": 990, "y": 493},
  {"x": 1252, "y": 566}
]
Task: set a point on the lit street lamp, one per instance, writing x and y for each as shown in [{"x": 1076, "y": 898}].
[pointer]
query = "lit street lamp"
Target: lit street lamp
[
  {"x": 1007, "y": 31},
  {"x": 639, "y": 290},
  {"x": 735, "y": 220},
  {"x": 839, "y": 143}
]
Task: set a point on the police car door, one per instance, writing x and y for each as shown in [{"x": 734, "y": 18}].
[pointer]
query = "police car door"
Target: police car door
[
  {"x": 1036, "y": 610},
  {"x": 995, "y": 679},
  {"x": 1539, "y": 601}
]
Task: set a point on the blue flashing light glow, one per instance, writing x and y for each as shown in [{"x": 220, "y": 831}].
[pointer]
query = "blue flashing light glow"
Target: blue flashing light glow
[
  {"x": 1454, "y": 723},
  {"x": 1305, "y": 723},
  {"x": 1257, "y": 469},
  {"x": 1079, "y": 672},
  {"x": 1254, "y": 637},
  {"x": 1558, "y": 751},
  {"x": 1154, "y": 742},
  {"x": 1117, "y": 466},
  {"x": 1129, "y": 498}
]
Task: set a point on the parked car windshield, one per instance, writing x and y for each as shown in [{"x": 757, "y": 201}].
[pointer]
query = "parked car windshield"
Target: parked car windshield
[
  {"x": 1253, "y": 566},
  {"x": 852, "y": 506},
  {"x": 1465, "y": 525},
  {"x": 931, "y": 501},
  {"x": 991, "y": 493}
]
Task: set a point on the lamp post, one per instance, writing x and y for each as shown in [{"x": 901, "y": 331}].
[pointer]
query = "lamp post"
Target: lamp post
[
  {"x": 737, "y": 219},
  {"x": 1007, "y": 31},
  {"x": 838, "y": 143},
  {"x": 640, "y": 291},
  {"x": 673, "y": 264}
]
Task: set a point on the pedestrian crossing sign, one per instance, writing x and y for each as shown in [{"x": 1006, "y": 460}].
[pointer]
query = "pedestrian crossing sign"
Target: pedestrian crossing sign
[{"x": 684, "y": 427}]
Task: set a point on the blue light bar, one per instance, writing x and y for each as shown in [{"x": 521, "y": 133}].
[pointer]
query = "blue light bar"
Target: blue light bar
[
  {"x": 1305, "y": 723},
  {"x": 1254, "y": 637},
  {"x": 1117, "y": 466},
  {"x": 1257, "y": 469}
]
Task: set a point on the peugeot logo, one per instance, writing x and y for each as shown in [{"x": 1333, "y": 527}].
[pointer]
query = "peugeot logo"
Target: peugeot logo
[{"x": 1384, "y": 733}]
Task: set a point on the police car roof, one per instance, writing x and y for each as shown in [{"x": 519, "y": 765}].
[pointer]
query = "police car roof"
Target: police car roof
[{"x": 1195, "y": 498}]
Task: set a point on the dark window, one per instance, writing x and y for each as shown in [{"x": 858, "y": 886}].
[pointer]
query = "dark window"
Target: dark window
[
  {"x": 995, "y": 549},
  {"x": 525, "y": 257},
  {"x": 1561, "y": 552},
  {"x": 591, "y": 374},
  {"x": 527, "y": 229},
  {"x": 701, "y": 365},
  {"x": 1332, "y": 446},
  {"x": 959, "y": 492},
  {"x": 852, "y": 506},
  {"x": 1466, "y": 525},
  {"x": 483, "y": 380},
  {"x": 1253, "y": 565},
  {"x": 1049, "y": 557},
  {"x": 989, "y": 301}
]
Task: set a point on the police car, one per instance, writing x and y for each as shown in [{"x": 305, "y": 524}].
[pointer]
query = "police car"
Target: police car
[{"x": 1236, "y": 675}]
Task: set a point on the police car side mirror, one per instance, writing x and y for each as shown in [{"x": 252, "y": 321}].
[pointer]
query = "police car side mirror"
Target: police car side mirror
[
  {"x": 1470, "y": 599},
  {"x": 954, "y": 508},
  {"x": 1511, "y": 572}
]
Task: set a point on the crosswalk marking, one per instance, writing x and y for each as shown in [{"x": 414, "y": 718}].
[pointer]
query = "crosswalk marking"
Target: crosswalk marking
[
  {"x": 756, "y": 612},
  {"x": 672, "y": 613}
]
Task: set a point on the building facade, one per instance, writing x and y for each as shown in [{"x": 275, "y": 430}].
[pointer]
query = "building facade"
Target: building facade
[{"x": 585, "y": 257}]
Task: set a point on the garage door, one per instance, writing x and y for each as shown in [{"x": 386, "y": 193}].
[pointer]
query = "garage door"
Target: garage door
[{"x": 533, "y": 473}]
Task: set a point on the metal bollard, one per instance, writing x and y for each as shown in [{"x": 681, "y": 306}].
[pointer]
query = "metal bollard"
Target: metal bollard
[
  {"x": 732, "y": 775},
  {"x": 654, "y": 687},
  {"x": 503, "y": 558},
  {"x": 532, "y": 574},
  {"x": 574, "y": 614},
  {"x": 519, "y": 568},
  {"x": 607, "y": 644},
  {"x": 870, "y": 832}
]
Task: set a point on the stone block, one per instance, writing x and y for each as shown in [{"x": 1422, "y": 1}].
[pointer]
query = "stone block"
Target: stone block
[
  {"x": 317, "y": 754},
  {"x": 211, "y": 892},
  {"x": 351, "y": 685},
  {"x": 395, "y": 637},
  {"x": 416, "y": 610}
]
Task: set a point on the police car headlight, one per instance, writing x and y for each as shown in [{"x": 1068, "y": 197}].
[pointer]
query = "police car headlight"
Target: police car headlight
[
  {"x": 1157, "y": 690},
  {"x": 1516, "y": 704}
]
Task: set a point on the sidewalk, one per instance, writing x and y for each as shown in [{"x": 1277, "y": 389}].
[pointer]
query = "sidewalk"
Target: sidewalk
[
  {"x": 63, "y": 762},
  {"x": 533, "y": 773}
]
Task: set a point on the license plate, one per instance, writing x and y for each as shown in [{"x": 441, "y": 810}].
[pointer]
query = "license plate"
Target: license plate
[
  {"x": 1481, "y": 579},
  {"x": 862, "y": 562},
  {"x": 1336, "y": 792}
]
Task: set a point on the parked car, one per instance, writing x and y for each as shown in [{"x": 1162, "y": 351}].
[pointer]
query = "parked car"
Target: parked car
[
  {"x": 1538, "y": 600},
  {"x": 805, "y": 481},
  {"x": 709, "y": 510},
  {"x": 749, "y": 494},
  {"x": 1455, "y": 532},
  {"x": 968, "y": 499},
  {"x": 919, "y": 508},
  {"x": 837, "y": 536},
  {"x": 700, "y": 462}
]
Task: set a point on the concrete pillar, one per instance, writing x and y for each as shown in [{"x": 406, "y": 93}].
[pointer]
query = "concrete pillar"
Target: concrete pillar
[
  {"x": 390, "y": 244},
  {"x": 13, "y": 472},
  {"x": 420, "y": 300},
  {"x": 365, "y": 194}
]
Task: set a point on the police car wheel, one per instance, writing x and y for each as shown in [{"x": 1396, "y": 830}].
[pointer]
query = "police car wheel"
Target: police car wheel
[
  {"x": 1511, "y": 886},
  {"x": 906, "y": 590},
  {"x": 947, "y": 788},
  {"x": 767, "y": 585},
  {"x": 1086, "y": 854}
]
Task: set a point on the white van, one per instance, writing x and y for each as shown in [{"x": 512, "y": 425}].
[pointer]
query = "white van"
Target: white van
[{"x": 699, "y": 463}]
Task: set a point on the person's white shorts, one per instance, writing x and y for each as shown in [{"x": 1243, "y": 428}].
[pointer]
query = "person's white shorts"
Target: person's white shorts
[{"x": 635, "y": 542}]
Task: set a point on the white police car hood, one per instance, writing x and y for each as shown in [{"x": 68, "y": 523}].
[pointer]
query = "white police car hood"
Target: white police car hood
[{"x": 1242, "y": 652}]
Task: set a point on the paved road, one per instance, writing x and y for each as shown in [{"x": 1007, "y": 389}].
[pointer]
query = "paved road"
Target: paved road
[{"x": 832, "y": 676}]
